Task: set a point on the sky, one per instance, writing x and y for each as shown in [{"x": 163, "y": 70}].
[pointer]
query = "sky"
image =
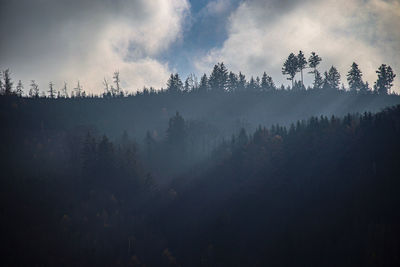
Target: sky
[{"x": 88, "y": 40}]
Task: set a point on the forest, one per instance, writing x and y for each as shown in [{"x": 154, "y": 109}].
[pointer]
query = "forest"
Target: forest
[{"x": 225, "y": 171}]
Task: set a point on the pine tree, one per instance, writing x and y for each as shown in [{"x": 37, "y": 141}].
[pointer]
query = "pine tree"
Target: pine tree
[
  {"x": 313, "y": 63},
  {"x": 7, "y": 82},
  {"x": 232, "y": 82},
  {"x": 34, "y": 90},
  {"x": 203, "y": 87},
  {"x": 385, "y": 79},
  {"x": 219, "y": 78},
  {"x": 51, "y": 90},
  {"x": 117, "y": 83},
  {"x": 252, "y": 85},
  {"x": 290, "y": 67},
  {"x": 64, "y": 90},
  {"x": 242, "y": 82},
  {"x": 267, "y": 84},
  {"x": 19, "y": 88},
  {"x": 354, "y": 78},
  {"x": 174, "y": 84},
  {"x": 318, "y": 81},
  {"x": 301, "y": 63},
  {"x": 332, "y": 79}
]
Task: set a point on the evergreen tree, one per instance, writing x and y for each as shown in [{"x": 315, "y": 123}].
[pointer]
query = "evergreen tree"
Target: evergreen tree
[
  {"x": 19, "y": 88},
  {"x": 233, "y": 82},
  {"x": 301, "y": 63},
  {"x": 290, "y": 67},
  {"x": 64, "y": 90},
  {"x": 34, "y": 90},
  {"x": 332, "y": 79},
  {"x": 313, "y": 63},
  {"x": 117, "y": 82},
  {"x": 7, "y": 82},
  {"x": 219, "y": 78},
  {"x": 78, "y": 90},
  {"x": 174, "y": 84},
  {"x": 242, "y": 82},
  {"x": 354, "y": 78},
  {"x": 51, "y": 90},
  {"x": 203, "y": 87},
  {"x": 318, "y": 81},
  {"x": 385, "y": 79},
  {"x": 267, "y": 84},
  {"x": 252, "y": 85}
]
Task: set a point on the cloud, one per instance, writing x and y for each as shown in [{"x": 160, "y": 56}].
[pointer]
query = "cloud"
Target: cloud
[
  {"x": 262, "y": 33},
  {"x": 88, "y": 40}
]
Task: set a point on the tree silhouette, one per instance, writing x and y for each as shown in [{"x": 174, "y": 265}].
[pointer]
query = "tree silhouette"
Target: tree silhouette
[
  {"x": 34, "y": 90},
  {"x": 19, "y": 88},
  {"x": 290, "y": 67},
  {"x": 51, "y": 90},
  {"x": 354, "y": 78},
  {"x": 242, "y": 82},
  {"x": 203, "y": 87},
  {"x": 233, "y": 82},
  {"x": 313, "y": 62},
  {"x": 301, "y": 63},
  {"x": 174, "y": 84},
  {"x": 117, "y": 82},
  {"x": 332, "y": 79},
  {"x": 7, "y": 82},
  {"x": 219, "y": 78},
  {"x": 385, "y": 79}
]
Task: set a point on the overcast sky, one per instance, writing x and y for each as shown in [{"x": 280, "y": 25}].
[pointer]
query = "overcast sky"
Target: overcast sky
[{"x": 87, "y": 40}]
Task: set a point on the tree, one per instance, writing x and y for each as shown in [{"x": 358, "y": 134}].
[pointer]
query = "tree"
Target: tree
[
  {"x": 1, "y": 83},
  {"x": 174, "y": 84},
  {"x": 78, "y": 90},
  {"x": 19, "y": 88},
  {"x": 301, "y": 64},
  {"x": 354, "y": 78},
  {"x": 51, "y": 90},
  {"x": 385, "y": 79},
  {"x": 219, "y": 78},
  {"x": 318, "y": 81},
  {"x": 117, "y": 82},
  {"x": 290, "y": 67},
  {"x": 267, "y": 84},
  {"x": 106, "y": 88},
  {"x": 203, "y": 87},
  {"x": 252, "y": 85},
  {"x": 233, "y": 82},
  {"x": 64, "y": 90},
  {"x": 7, "y": 82},
  {"x": 332, "y": 79},
  {"x": 34, "y": 90},
  {"x": 313, "y": 62},
  {"x": 242, "y": 82}
]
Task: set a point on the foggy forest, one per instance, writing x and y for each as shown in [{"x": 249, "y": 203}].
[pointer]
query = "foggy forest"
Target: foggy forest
[{"x": 213, "y": 168}]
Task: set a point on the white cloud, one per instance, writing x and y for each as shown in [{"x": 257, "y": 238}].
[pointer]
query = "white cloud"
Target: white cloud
[
  {"x": 91, "y": 44},
  {"x": 262, "y": 34}
]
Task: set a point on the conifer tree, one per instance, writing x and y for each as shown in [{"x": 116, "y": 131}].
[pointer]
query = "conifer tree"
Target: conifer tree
[
  {"x": 301, "y": 63},
  {"x": 290, "y": 67},
  {"x": 19, "y": 88},
  {"x": 385, "y": 79},
  {"x": 7, "y": 82},
  {"x": 354, "y": 78},
  {"x": 51, "y": 90}
]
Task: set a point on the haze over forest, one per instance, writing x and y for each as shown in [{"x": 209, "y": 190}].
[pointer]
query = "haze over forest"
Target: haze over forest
[{"x": 200, "y": 133}]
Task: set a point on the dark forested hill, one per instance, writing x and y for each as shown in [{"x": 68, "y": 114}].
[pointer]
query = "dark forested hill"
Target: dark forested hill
[{"x": 201, "y": 188}]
